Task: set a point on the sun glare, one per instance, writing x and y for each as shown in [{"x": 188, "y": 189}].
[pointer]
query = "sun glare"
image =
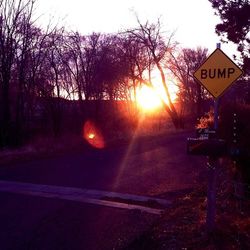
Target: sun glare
[{"x": 148, "y": 99}]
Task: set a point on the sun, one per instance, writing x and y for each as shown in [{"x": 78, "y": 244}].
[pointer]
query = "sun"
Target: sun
[{"x": 148, "y": 99}]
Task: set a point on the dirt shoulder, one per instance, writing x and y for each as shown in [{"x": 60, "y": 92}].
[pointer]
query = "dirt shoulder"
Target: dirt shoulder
[{"x": 182, "y": 226}]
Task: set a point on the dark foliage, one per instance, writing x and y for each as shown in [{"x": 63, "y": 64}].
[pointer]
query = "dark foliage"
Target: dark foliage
[
  {"x": 235, "y": 128},
  {"x": 235, "y": 25}
]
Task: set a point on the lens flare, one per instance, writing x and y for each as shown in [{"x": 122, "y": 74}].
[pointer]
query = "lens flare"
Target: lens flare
[{"x": 93, "y": 135}]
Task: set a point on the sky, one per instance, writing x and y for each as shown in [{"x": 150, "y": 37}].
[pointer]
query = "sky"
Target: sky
[{"x": 192, "y": 21}]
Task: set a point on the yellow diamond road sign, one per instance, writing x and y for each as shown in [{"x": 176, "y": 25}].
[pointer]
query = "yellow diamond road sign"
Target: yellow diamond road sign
[{"x": 217, "y": 73}]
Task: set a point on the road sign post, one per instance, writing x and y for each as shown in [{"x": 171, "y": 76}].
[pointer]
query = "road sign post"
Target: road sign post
[
  {"x": 212, "y": 174},
  {"x": 216, "y": 74},
  {"x": 211, "y": 193}
]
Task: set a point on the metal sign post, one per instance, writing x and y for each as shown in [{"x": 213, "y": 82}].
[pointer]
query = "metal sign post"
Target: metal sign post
[
  {"x": 212, "y": 174},
  {"x": 216, "y": 74},
  {"x": 211, "y": 194}
]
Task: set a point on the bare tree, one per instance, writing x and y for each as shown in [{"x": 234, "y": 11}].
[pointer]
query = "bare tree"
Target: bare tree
[
  {"x": 158, "y": 48},
  {"x": 137, "y": 59},
  {"x": 111, "y": 67},
  {"x": 183, "y": 65},
  {"x": 71, "y": 56},
  {"x": 15, "y": 26}
]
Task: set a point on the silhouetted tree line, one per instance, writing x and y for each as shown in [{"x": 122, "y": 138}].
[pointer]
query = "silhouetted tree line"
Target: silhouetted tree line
[{"x": 49, "y": 74}]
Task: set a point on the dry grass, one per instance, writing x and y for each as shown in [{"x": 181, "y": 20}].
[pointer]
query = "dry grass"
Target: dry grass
[
  {"x": 41, "y": 147},
  {"x": 45, "y": 146},
  {"x": 183, "y": 226}
]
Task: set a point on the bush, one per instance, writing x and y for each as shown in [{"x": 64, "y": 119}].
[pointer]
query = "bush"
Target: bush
[{"x": 234, "y": 127}]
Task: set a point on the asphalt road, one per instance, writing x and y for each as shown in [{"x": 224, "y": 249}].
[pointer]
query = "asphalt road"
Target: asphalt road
[{"x": 157, "y": 167}]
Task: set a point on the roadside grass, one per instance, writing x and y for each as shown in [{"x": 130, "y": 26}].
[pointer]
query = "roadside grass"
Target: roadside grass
[
  {"x": 40, "y": 147},
  {"x": 49, "y": 146},
  {"x": 182, "y": 226}
]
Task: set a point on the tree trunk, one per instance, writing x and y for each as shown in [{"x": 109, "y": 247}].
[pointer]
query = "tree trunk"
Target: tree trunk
[
  {"x": 5, "y": 119},
  {"x": 171, "y": 110}
]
